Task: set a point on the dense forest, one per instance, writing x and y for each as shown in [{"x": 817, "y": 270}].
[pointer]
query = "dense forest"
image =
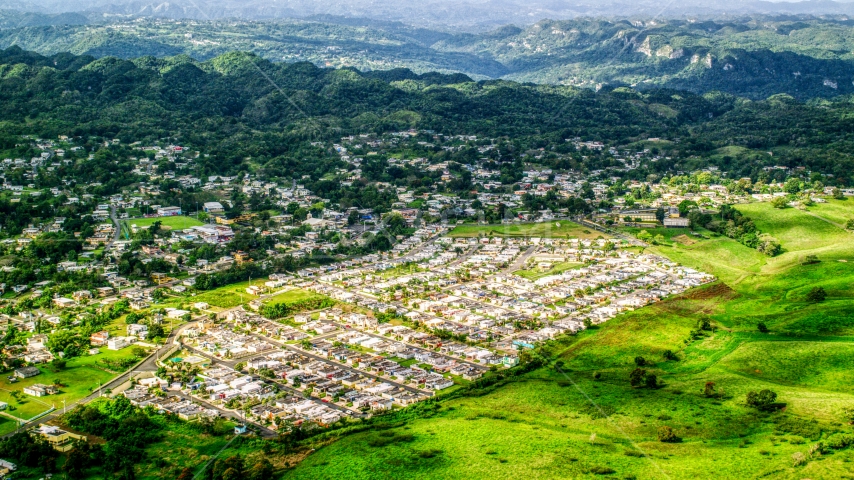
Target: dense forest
[
  {"x": 240, "y": 108},
  {"x": 752, "y": 57}
]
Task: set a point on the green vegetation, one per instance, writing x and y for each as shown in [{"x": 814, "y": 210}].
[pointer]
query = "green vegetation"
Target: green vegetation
[
  {"x": 561, "y": 229},
  {"x": 536, "y": 274},
  {"x": 284, "y": 308},
  {"x": 226, "y": 108},
  {"x": 228, "y": 296},
  {"x": 729, "y": 56},
  {"x": 76, "y": 380},
  {"x": 578, "y": 419},
  {"x": 179, "y": 222},
  {"x": 292, "y": 295}
]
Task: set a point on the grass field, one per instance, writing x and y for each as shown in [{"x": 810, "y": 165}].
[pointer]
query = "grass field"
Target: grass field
[
  {"x": 228, "y": 296},
  {"x": 561, "y": 229},
  {"x": 534, "y": 274},
  {"x": 291, "y": 296},
  {"x": 586, "y": 419},
  {"x": 80, "y": 377},
  {"x": 835, "y": 211},
  {"x": 179, "y": 222}
]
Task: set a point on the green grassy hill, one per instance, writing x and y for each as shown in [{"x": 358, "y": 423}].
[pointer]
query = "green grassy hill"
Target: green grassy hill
[{"x": 569, "y": 424}]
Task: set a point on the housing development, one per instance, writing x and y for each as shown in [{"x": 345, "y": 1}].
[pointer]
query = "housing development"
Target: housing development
[{"x": 262, "y": 303}]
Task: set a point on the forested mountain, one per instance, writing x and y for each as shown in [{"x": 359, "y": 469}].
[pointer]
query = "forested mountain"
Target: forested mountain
[
  {"x": 750, "y": 57},
  {"x": 243, "y": 108}
]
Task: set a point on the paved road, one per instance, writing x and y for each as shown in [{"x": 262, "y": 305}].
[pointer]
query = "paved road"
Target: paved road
[
  {"x": 610, "y": 231},
  {"x": 147, "y": 365},
  {"x": 416, "y": 347},
  {"x": 285, "y": 386},
  {"x": 264, "y": 431},
  {"x": 118, "y": 226},
  {"x": 521, "y": 260},
  {"x": 341, "y": 365}
]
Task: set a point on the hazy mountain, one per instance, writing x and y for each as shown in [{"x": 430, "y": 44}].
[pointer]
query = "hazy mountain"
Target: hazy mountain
[
  {"x": 752, "y": 57},
  {"x": 472, "y": 14}
]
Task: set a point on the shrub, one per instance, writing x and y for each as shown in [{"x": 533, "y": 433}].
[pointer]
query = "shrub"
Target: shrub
[
  {"x": 636, "y": 378},
  {"x": 802, "y": 428},
  {"x": 780, "y": 202},
  {"x": 667, "y": 435},
  {"x": 762, "y": 327},
  {"x": 429, "y": 453},
  {"x": 597, "y": 470},
  {"x": 811, "y": 260},
  {"x": 763, "y": 399},
  {"x": 651, "y": 381},
  {"x": 817, "y": 449},
  {"x": 816, "y": 295},
  {"x": 709, "y": 389},
  {"x": 838, "y": 441}
]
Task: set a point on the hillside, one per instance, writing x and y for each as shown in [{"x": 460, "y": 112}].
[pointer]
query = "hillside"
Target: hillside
[
  {"x": 753, "y": 57},
  {"x": 238, "y": 104},
  {"x": 579, "y": 417}
]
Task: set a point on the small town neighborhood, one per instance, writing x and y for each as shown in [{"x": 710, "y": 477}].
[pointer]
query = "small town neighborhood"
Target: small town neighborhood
[{"x": 276, "y": 308}]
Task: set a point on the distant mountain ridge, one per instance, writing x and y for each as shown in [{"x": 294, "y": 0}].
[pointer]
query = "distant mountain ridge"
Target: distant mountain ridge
[
  {"x": 753, "y": 57},
  {"x": 441, "y": 14}
]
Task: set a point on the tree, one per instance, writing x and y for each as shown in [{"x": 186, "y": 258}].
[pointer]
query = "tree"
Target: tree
[
  {"x": 651, "y": 381},
  {"x": 58, "y": 364},
  {"x": 792, "y": 186},
  {"x": 636, "y": 378},
  {"x": 811, "y": 260},
  {"x": 780, "y": 202},
  {"x": 769, "y": 247},
  {"x": 262, "y": 470},
  {"x": 300, "y": 214},
  {"x": 669, "y": 355},
  {"x": 816, "y": 295},
  {"x": 849, "y": 225},
  {"x": 644, "y": 236},
  {"x": 353, "y": 218},
  {"x": 685, "y": 206},
  {"x": 76, "y": 463},
  {"x": 156, "y": 331},
  {"x": 640, "y": 361},
  {"x": 762, "y": 400},
  {"x": 709, "y": 389},
  {"x": 667, "y": 435},
  {"x": 762, "y": 327},
  {"x": 157, "y": 295}
]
